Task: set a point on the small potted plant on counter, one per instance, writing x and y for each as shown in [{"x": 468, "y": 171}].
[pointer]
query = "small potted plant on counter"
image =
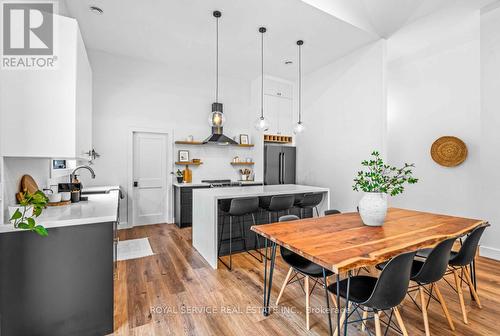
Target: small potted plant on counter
[
  {"x": 30, "y": 207},
  {"x": 377, "y": 180},
  {"x": 179, "y": 175}
]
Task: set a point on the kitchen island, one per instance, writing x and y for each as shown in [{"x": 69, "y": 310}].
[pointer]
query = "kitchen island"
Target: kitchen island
[
  {"x": 61, "y": 284},
  {"x": 206, "y": 214}
]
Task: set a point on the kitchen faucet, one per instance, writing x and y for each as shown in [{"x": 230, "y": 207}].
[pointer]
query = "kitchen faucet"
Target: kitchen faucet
[{"x": 73, "y": 174}]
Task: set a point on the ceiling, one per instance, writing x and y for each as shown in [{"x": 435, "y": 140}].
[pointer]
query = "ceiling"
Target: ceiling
[
  {"x": 181, "y": 33},
  {"x": 385, "y": 17}
]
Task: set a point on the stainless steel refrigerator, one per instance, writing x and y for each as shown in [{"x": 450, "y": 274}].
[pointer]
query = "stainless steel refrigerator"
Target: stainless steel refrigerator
[{"x": 279, "y": 164}]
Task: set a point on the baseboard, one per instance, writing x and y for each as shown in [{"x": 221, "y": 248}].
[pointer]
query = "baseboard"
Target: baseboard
[{"x": 489, "y": 252}]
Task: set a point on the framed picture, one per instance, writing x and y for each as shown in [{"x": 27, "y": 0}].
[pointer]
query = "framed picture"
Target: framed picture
[
  {"x": 244, "y": 139},
  {"x": 183, "y": 156}
]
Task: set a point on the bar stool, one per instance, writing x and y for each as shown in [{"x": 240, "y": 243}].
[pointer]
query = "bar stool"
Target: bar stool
[
  {"x": 276, "y": 204},
  {"x": 331, "y": 212},
  {"x": 237, "y": 207},
  {"x": 310, "y": 201}
]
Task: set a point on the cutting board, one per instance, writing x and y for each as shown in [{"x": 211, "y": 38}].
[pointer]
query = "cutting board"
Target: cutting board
[{"x": 28, "y": 184}]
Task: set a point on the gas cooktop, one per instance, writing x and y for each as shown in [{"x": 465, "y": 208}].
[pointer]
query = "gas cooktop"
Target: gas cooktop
[{"x": 221, "y": 183}]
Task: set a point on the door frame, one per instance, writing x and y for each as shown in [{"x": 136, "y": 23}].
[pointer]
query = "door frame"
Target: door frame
[{"x": 130, "y": 171}]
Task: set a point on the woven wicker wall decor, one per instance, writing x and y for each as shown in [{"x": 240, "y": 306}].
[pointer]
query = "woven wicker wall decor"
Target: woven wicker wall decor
[{"x": 449, "y": 151}]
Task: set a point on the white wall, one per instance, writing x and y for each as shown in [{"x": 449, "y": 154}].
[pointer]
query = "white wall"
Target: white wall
[
  {"x": 131, "y": 93},
  {"x": 344, "y": 115},
  {"x": 490, "y": 135},
  {"x": 434, "y": 90}
]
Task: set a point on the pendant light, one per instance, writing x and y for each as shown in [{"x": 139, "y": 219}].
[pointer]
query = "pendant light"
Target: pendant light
[
  {"x": 262, "y": 124},
  {"x": 299, "y": 126},
  {"x": 216, "y": 117}
]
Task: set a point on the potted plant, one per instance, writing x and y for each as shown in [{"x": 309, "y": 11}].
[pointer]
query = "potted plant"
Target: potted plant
[
  {"x": 179, "y": 175},
  {"x": 30, "y": 207},
  {"x": 377, "y": 180}
]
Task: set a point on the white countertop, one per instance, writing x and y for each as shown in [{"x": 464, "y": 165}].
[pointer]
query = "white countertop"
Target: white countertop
[
  {"x": 201, "y": 184},
  {"x": 251, "y": 191},
  {"x": 100, "y": 208}
]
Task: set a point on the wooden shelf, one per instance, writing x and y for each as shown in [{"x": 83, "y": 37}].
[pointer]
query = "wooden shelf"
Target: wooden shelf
[
  {"x": 242, "y": 163},
  {"x": 190, "y": 163},
  {"x": 198, "y": 143},
  {"x": 277, "y": 138}
]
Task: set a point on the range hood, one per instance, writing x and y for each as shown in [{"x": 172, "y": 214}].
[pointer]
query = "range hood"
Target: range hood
[{"x": 217, "y": 137}]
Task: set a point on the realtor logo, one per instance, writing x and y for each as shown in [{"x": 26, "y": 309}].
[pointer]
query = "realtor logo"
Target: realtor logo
[{"x": 28, "y": 30}]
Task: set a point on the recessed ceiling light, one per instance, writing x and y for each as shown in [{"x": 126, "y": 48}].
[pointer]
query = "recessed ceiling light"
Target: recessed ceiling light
[
  {"x": 96, "y": 10},
  {"x": 287, "y": 62}
]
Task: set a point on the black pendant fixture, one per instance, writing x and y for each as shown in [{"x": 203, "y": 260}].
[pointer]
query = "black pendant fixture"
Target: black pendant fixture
[
  {"x": 216, "y": 118},
  {"x": 299, "y": 126},
  {"x": 262, "y": 124}
]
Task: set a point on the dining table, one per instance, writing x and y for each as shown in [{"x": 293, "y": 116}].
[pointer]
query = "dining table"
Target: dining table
[{"x": 341, "y": 243}]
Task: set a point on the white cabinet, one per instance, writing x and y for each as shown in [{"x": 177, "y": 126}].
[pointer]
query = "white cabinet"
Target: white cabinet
[
  {"x": 48, "y": 112},
  {"x": 278, "y": 103},
  {"x": 279, "y": 112}
]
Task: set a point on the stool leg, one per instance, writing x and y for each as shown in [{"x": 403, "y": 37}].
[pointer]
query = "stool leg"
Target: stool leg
[
  {"x": 230, "y": 243},
  {"x": 221, "y": 233},
  {"x": 317, "y": 212},
  {"x": 243, "y": 234},
  {"x": 256, "y": 243}
]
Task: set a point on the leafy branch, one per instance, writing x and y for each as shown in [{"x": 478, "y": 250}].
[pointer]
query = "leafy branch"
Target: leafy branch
[
  {"x": 382, "y": 178},
  {"x": 37, "y": 201}
]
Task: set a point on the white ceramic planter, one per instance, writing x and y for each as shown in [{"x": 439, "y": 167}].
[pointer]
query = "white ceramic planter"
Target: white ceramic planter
[{"x": 373, "y": 208}]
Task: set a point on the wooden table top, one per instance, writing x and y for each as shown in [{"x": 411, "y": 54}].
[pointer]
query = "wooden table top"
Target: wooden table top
[{"x": 342, "y": 242}]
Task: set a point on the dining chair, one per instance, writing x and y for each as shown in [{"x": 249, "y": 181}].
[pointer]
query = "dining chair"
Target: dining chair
[
  {"x": 331, "y": 212},
  {"x": 237, "y": 208},
  {"x": 302, "y": 269},
  {"x": 428, "y": 273},
  {"x": 459, "y": 261},
  {"x": 371, "y": 294}
]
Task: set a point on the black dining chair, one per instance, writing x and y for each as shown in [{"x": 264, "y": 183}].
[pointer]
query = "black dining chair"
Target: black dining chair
[
  {"x": 331, "y": 212},
  {"x": 371, "y": 294},
  {"x": 237, "y": 208},
  {"x": 309, "y": 201},
  {"x": 460, "y": 261},
  {"x": 302, "y": 269},
  {"x": 428, "y": 273}
]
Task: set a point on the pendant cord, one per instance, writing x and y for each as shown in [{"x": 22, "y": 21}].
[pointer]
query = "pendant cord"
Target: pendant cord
[
  {"x": 217, "y": 61},
  {"x": 300, "y": 83},
  {"x": 262, "y": 77}
]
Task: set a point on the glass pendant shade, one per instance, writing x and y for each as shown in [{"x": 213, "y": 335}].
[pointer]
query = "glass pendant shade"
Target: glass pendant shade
[
  {"x": 216, "y": 119},
  {"x": 261, "y": 124},
  {"x": 298, "y": 128}
]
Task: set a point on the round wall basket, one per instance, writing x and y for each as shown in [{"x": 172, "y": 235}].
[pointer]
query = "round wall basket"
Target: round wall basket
[{"x": 449, "y": 151}]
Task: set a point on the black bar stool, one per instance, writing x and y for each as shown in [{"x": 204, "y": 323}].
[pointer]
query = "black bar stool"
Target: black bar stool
[
  {"x": 331, "y": 212},
  {"x": 237, "y": 207},
  {"x": 310, "y": 201},
  {"x": 277, "y": 204}
]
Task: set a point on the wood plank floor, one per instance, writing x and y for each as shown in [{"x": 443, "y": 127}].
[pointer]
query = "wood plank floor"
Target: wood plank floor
[{"x": 189, "y": 298}]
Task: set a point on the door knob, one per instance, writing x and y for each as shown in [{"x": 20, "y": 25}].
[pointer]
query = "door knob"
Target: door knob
[{"x": 136, "y": 184}]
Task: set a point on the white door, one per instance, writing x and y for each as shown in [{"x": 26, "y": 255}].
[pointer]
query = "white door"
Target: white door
[{"x": 150, "y": 197}]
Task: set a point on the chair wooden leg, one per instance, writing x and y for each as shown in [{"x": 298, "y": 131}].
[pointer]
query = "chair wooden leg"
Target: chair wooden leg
[
  {"x": 400, "y": 321},
  {"x": 443, "y": 305},
  {"x": 363, "y": 323},
  {"x": 378, "y": 329},
  {"x": 424, "y": 310},
  {"x": 471, "y": 286},
  {"x": 342, "y": 319},
  {"x": 306, "y": 289},
  {"x": 290, "y": 271},
  {"x": 333, "y": 297},
  {"x": 460, "y": 295}
]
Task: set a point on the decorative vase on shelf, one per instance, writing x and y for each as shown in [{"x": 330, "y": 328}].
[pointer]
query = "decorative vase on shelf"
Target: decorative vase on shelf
[
  {"x": 373, "y": 208},
  {"x": 188, "y": 175}
]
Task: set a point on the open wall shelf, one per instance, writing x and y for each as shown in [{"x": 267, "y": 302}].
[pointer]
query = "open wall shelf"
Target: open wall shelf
[
  {"x": 242, "y": 163},
  {"x": 189, "y": 163},
  {"x": 199, "y": 143}
]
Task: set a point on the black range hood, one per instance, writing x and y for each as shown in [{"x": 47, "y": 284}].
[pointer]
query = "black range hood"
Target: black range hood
[{"x": 217, "y": 137}]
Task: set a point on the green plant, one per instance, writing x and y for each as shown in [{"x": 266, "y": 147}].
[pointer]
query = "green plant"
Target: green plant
[
  {"x": 21, "y": 220},
  {"x": 380, "y": 177},
  {"x": 179, "y": 173}
]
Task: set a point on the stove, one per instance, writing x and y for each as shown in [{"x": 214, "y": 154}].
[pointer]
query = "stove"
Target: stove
[{"x": 222, "y": 183}]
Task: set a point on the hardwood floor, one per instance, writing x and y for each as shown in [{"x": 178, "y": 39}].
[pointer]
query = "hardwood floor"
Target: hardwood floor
[{"x": 189, "y": 298}]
